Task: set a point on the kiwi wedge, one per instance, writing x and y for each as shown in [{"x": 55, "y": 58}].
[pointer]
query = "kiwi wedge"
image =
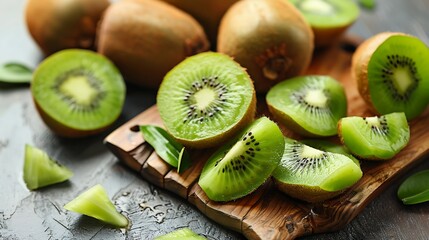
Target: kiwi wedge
[
  {"x": 206, "y": 99},
  {"x": 314, "y": 175},
  {"x": 40, "y": 170},
  {"x": 328, "y": 19},
  {"x": 270, "y": 38},
  {"x": 308, "y": 105},
  {"x": 182, "y": 233},
  {"x": 244, "y": 163},
  {"x": 375, "y": 138},
  {"x": 392, "y": 74}
]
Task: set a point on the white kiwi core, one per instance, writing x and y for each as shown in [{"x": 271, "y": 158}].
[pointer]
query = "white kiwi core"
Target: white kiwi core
[
  {"x": 310, "y": 152},
  {"x": 204, "y": 98},
  {"x": 79, "y": 89},
  {"x": 316, "y": 97},
  {"x": 402, "y": 79},
  {"x": 317, "y": 7},
  {"x": 373, "y": 121}
]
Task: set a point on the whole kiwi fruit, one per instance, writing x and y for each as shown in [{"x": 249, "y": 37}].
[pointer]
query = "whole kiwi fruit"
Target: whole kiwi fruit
[
  {"x": 270, "y": 38},
  {"x": 56, "y": 25},
  {"x": 147, "y": 38}
]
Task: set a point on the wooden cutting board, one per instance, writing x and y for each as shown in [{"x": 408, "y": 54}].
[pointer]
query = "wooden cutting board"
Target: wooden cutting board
[{"x": 268, "y": 213}]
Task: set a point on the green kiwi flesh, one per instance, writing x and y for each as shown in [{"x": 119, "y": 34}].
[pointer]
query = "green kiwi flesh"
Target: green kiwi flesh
[
  {"x": 398, "y": 76},
  {"x": 244, "y": 163},
  {"x": 375, "y": 138},
  {"x": 206, "y": 99},
  {"x": 78, "y": 92},
  {"x": 182, "y": 233},
  {"x": 301, "y": 102},
  {"x": 40, "y": 170},
  {"x": 328, "y": 146},
  {"x": 313, "y": 175}
]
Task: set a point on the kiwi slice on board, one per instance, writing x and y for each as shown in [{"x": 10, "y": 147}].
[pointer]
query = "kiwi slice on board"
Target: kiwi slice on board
[
  {"x": 78, "y": 92},
  {"x": 270, "y": 38},
  {"x": 244, "y": 163},
  {"x": 308, "y": 105},
  {"x": 375, "y": 138},
  {"x": 40, "y": 170},
  {"x": 392, "y": 74},
  {"x": 329, "y": 19},
  {"x": 328, "y": 146},
  {"x": 206, "y": 99},
  {"x": 182, "y": 233},
  {"x": 314, "y": 175}
]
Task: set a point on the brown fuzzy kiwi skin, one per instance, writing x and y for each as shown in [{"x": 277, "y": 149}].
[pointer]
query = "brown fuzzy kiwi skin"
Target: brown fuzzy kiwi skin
[
  {"x": 270, "y": 38},
  {"x": 55, "y": 25},
  {"x": 360, "y": 61},
  {"x": 146, "y": 38},
  {"x": 324, "y": 37}
]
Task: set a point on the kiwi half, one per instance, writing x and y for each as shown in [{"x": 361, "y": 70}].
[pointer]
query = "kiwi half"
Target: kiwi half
[
  {"x": 206, "y": 99},
  {"x": 78, "y": 92},
  {"x": 270, "y": 38},
  {"x": 314, "y": 175},
  {"x": 329, "y": 19},
  {"x": 392, "y": 74},
  {"x": 375, "y": 138},
  {"x": 244, "y": 163},
  {"x": 308, "y": 105}
]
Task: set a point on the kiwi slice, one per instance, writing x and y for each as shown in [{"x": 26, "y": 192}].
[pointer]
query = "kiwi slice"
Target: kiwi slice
[
  {"x": 392, "y": 74},
  {"x": 244, "y": 163},
  {"x": 95, "y": 203},
  {"x": 78, "y": 92},
  {"x": 40, "y": 170},
  {"x": 329, "y": 19},
  {"x": 206, "y": 99},
  {"x": 182, "y": 233},
  {"x": 308, "y": 105},
  {"x": 329, "y": 146},
  {"x": 314, "y": 175},
  {"x": 375, "y": 138}
]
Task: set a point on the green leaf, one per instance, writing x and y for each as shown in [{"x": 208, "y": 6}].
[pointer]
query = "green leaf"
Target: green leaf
[
  {"x": 415, "y": 189},
  {"x": 15, "y": 73},
  {"x": 166, "y": 147}
]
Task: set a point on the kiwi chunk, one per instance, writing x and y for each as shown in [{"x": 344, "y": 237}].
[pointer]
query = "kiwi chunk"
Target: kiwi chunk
[
  {"x": 206, "y": 99},
  {"x": 314, "y": 175},
  {"x": 182, "y": 233},
  {"x": 308, "y": 105},
  {"x": 375, "y": 138},
  {"x": 40, "y": 170},
  {"x": 95, "y": 203},
  {"x": 78, "y": 92},
  {"x": 244, "y": 163}
]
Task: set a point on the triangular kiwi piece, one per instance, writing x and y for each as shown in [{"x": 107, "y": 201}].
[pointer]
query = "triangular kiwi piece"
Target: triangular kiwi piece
[{"x": 40, "y": 170}]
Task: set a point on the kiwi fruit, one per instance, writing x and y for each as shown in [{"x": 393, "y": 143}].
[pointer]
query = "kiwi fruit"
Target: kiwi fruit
[
  {"x": 206, "y": 99},
  {"x": 181, "y": 233},
  {"x": 270, "y": 38},
  {"x": 244, "y": 163},
  {"x": 375, "y": 138},
  {"x": 328, "y": 19},
  {"x": 308, "y": 105},
  {"x": 209, "y": 20},
  {"x": 145, "y": 39},
  {"x": 391, "y": 72},
  {"x": 40, "y": 170},
  {"x": 314, "y": 175},
  {"x": 329, "y": 146},
  {"x": 56, "y": 25},
  {"x": 78, "y": 92}
]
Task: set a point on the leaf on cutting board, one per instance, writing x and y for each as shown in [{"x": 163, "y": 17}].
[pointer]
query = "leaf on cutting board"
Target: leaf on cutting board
[
  {"x": 166, "y": 147},
  {"x": 15, "y": 73},
  {"x": 415, "y": 189}
]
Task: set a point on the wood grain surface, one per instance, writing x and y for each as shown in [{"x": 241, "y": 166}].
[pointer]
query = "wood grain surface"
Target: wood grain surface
[{"x": 268, "y": 213}]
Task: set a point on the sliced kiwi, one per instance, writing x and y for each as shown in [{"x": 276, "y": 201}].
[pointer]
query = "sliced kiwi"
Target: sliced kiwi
[
  {"x": 95, "y": 203},
  {"x": 375, "y": 138},
  {"x": 244, "y": 163},
  {"x": 314, "y": 175},
  {"x": 392, "y": 74},
  {"x": 40, "y": 170},
  {"x": 308, "y": 105},
  {"x": 206, "y": 99},
  {"x": 329, "y": 19},
  {"x": 182, "y": 233},
  {"x": 328, "y": 146},
  {"x": 78, "y": 92}
]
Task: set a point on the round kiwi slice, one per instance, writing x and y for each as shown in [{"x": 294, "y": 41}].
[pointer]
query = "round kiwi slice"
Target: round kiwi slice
[
  {"x": 375, "y": 138},
  {"x": 329, "y": 19},
  {"x": 206, "y": 99},
  {"x": 78, "y": 92},
  {"x": 314, "y": 175},
  {"x": 301, "y": 102},
  {"x": 392, "y": 74},
  {"x": 244, "y": 163}
]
